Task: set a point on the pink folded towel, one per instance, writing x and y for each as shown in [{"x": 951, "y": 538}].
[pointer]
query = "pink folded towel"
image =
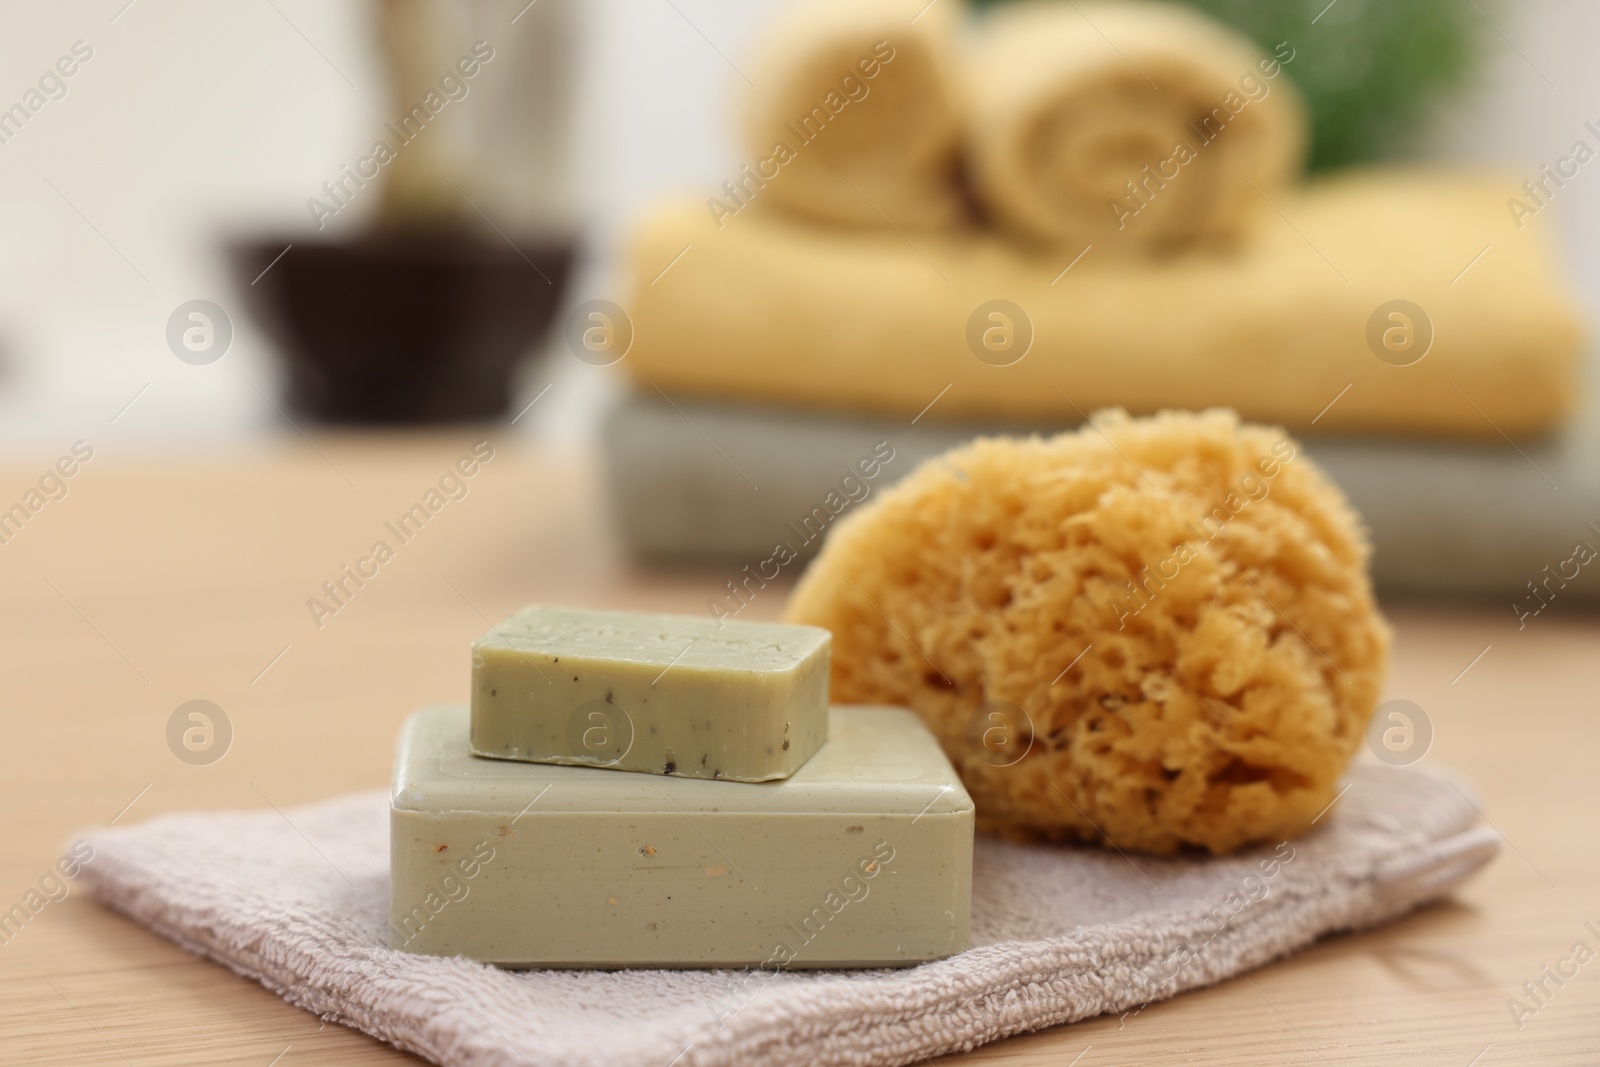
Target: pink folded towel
[{"x": 299, "y": 901}]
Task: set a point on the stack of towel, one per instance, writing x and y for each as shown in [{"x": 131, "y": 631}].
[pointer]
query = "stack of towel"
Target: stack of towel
[{"x": 1074, "y": 206}]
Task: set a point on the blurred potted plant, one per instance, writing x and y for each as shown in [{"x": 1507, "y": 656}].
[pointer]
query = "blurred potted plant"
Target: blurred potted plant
[
  {"x": 424, "y": 314},
  {"x": 1369, "y": 70}
]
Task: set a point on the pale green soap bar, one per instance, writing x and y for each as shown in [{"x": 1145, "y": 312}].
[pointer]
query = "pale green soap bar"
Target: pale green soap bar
[
  {"x": 664, "y": 694},
  {"x": 861, "y": 858}
]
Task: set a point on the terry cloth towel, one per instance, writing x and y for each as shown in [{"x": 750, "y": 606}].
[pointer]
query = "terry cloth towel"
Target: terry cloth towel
[
  {"x": 1132, "y": 126},
  {"x": 674, "y": 497},
  {"x": 852, "y": 117},
  {"x": 1289, "y": 329},
  {"x": 299, "y": 902}
]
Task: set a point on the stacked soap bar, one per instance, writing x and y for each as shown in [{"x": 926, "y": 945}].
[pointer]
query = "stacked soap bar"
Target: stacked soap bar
[
  {"x": 667, "y": 694},
  {"x": 766, "y": 829},
  {"x": 862, "y": 857}
]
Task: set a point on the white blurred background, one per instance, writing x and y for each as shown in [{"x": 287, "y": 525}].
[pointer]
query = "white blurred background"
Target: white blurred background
[{"x": 196, "y": 120}]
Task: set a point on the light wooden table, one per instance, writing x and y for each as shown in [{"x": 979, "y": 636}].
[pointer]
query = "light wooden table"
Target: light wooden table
[{"x": 164, "y": 578}]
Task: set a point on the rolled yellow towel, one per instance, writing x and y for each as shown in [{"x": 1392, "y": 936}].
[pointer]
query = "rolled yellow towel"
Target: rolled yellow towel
[
  {"x": 853, "y": 118},
  {"x": 1129, "y": 126}
]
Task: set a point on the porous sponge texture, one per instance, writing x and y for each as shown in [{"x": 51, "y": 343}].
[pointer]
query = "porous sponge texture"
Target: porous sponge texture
[{"x": 1155, "y": 632}]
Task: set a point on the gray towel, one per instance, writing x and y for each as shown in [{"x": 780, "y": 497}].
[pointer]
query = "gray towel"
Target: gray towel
[
  {"x": 1446, "y": 517},
  {"x": 298, "y": 900}
]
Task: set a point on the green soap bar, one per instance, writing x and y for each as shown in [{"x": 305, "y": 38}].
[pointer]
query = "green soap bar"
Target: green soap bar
[
  {"x": 666, "y": 694},
  {"x": 861, "y": 858}
]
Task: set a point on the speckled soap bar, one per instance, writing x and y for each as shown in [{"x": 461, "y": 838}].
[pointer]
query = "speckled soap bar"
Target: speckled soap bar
[
  {"x": 680, "y": 695},
  {"x": 861, "y": 858}
]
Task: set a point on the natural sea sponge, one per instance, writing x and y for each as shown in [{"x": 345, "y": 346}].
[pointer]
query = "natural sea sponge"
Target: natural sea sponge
[{"x": 1155, "y": 632}]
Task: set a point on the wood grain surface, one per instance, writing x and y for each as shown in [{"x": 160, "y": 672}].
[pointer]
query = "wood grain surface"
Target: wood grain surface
[{"x": 166, "y": 577}]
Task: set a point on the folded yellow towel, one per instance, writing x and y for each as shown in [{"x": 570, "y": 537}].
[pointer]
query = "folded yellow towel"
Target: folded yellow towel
[
  {"x": 852, "y": 118},
  {"x": 1131, "y": 126},
  {"x": 1288, "y": 328}
]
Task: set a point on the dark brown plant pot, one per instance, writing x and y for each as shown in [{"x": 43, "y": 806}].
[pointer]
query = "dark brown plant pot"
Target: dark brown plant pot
[{"x": 399, "y": 328}]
